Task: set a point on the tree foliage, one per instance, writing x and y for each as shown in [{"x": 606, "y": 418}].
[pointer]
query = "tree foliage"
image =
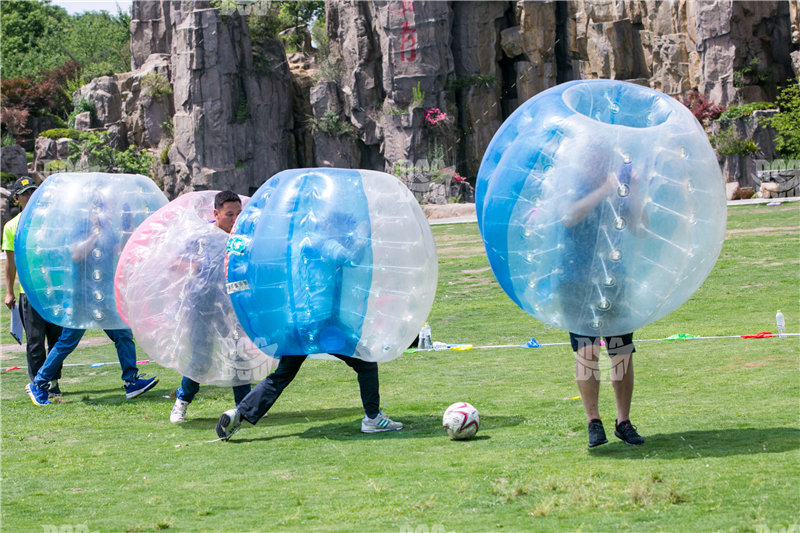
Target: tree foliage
[
  {"x": 37, "y": 36},
  {"x": 786, "y": 122}
]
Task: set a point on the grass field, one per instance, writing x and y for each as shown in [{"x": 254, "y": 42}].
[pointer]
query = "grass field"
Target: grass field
[{"x": 720, "y": 417}]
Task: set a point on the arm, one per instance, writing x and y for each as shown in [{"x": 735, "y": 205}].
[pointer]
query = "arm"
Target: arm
[
  {"x": 81, "y": 249},
  {"x": 11, "y": 274},
  {"x": 581, "y": 209}
]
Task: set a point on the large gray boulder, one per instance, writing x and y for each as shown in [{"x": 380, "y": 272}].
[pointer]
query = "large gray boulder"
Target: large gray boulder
[
  {"x": 12, "y": 160},
  {"x": 103, "y": 93}
]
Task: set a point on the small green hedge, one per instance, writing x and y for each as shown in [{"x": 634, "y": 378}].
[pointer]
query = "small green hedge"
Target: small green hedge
[
  {"x": 741, "y": 111},
  {"x": 60, "y": 133}
]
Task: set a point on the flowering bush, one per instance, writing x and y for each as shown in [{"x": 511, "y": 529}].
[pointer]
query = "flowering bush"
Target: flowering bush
[
  {"x": 434, "y": 115},
  {"x": 458, "y": 178}
]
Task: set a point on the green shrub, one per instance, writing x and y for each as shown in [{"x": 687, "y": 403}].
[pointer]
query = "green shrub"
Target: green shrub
[
  {"x": 58, "y": 165},
  {"x": 751, "y": 71},
  {"x": 60, "y": 133},
  {"x": 389, "y": 109},
  {"x": 727, "y": 142},
  {"x": 7, "y": 179},
  {"x": 156, "y": 86},
  {"x": 100, "y": 156},
  {"x": 741, "y": 111},
  {"x": 330, "y": 123},
  {"x": 134, "y": 161},
  {"x": 81, "y": 106},
  {"x": 8, "y": 140},
  {"x": 786, "y": 122},
  {"x": 242, "y": 110},
  {"x": 164, "y": 155},
  {"x": 469, "y": 81},
  {"x": 418, "y": 96}
]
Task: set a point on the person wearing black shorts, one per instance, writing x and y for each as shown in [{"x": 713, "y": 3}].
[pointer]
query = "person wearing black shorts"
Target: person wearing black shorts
[
  {"x": 596, "y": 303},
  {"x": 587, "y": 376}
]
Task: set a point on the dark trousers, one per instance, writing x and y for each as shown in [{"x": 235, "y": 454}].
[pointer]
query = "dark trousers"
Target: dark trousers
[
  {"x": 37, "y": 331},
  {"x": 190, "y": 387},
  {"x": 263, "y": 395}
]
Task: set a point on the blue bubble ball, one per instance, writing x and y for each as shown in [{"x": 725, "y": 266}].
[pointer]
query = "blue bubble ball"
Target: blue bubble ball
[
  {"x": 69, "y": 238},
  {"x": 332, "y": 261},
  {"x": 601, "y": 206}
]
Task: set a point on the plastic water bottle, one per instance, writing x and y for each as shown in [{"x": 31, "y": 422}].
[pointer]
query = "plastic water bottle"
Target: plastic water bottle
[
  {"x": 780, "y": 321},
  {"x": 425, "y": 337}
]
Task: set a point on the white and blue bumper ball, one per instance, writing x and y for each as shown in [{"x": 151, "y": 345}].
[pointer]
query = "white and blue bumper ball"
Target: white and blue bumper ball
[
  {"x": 332, "y": 261},
  {"x": 601, "y": 206},
  {"x": 69, "y": 239}
]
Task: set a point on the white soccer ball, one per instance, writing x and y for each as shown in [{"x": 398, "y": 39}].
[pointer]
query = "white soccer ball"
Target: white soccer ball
[{"x": 461, "y": 421}]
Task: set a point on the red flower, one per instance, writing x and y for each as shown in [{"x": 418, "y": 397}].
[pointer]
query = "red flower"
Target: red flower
[{"x": 434, "y": 115}]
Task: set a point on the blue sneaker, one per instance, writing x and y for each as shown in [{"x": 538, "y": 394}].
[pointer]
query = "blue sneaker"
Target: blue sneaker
[
  {"x": 139, "y": 386},
  {"x": 38, "y": 394}
]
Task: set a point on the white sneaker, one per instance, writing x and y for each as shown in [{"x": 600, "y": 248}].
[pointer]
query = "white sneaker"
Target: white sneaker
[
  {"x": 379, "y": 423},
  {"x": 228, "y": 424},
  {"x": 178, "y": 413}
]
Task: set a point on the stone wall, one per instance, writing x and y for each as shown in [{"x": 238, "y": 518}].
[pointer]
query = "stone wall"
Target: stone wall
[
  {"x": 478, "y": 61},
  {"x": 238, "y": 113}
]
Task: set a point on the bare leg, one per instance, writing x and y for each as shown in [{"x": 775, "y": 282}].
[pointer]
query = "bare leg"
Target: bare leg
[
  {"x": 622, "y": 381},
  {"x": 587, "y": 376}
]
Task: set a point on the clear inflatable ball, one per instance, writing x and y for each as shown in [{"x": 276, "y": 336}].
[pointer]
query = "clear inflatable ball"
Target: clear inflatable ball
[
  {"x": 170, "y": 284},
  {"x": 68, "y": 241},
  {"x": 333, "y": 261},
  {"x": 601, "y": 206}
]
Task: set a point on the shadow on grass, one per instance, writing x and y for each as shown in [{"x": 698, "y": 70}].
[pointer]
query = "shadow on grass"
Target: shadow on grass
[
  {"x": 415, "y": 427},
  {"x": 278, "y": 419},
  {"x": 711, "y": 443},
  {"x": 115, "y": 396}
]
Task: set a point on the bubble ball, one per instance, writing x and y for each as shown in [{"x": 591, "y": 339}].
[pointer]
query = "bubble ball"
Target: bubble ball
[
  {"x": 333, "y": 261},
  {"x": 68, "y": 241},
  {"x": 601, "y": 206},
  {"x": 170, "y": 289}
]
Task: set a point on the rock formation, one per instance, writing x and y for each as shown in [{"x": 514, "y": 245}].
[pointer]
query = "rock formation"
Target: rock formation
[{"x": 409, "y": 87}]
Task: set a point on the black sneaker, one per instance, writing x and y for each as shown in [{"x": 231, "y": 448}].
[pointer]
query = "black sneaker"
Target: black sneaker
[
  {"x": 597, "y": 435},
  {"x": 54, "y": 391},
  {"x": 627, "y": 432}
]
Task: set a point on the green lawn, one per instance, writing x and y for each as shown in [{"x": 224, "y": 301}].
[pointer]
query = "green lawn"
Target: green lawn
[{"x": 720, "y": 417}]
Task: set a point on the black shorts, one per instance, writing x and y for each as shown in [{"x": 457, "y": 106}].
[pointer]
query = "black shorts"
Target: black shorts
[{"x": 618, "y": 345}]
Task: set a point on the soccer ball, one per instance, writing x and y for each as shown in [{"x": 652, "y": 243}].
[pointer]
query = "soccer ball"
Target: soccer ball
[{"x": 461, "y": 421}]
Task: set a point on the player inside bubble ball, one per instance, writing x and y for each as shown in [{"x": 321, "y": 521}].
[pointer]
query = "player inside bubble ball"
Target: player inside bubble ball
[
  {"x": 605, "y": 194},
  {"x": 205, "y": 318},
  {"x": 94, "y": 244},
  {"x": 39, "y": 333},
  {"x": 331, "y": 250}
]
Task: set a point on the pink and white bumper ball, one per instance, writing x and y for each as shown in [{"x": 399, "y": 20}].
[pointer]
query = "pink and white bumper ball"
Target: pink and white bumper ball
[
  {"x": 68, "y": 241},
  {"x": 170, "y": 287}
]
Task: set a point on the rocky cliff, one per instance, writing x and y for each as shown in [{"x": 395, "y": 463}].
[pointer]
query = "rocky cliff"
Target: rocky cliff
[{"x": 416, "y": 88}]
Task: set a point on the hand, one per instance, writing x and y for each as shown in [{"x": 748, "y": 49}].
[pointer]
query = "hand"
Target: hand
[{"x": 10, "y": 300}]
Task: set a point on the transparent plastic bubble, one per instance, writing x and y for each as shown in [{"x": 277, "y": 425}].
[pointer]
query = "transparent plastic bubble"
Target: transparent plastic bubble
[
  {"x": 333, "y": 261},
  {"x": 68, "y": 241},
  {"x": 170, "y": 284},
  {"x": 600, "y": 180}
]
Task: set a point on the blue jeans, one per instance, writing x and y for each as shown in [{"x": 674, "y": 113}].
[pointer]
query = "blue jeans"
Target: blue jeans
[
  {"x": 189, "y": 388},
  {"x": 68, "y": 341}
]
